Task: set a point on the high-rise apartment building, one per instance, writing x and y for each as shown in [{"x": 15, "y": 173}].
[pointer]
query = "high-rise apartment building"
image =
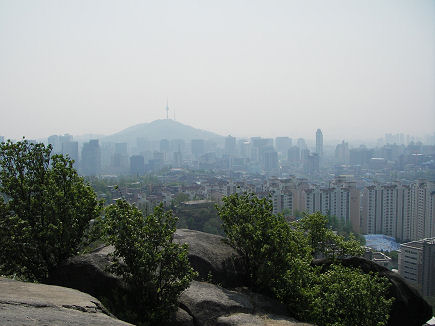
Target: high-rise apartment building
[
  {"x": 319, "y": 142},
  {"x": 342, "y": 154},
  {"x": 405, "y": 212},
  {"x": 230, "y": 145},
  {"x": 423, "y": 210},
  {"x": 91, "y": 158},
  {"x": 417, "y": 264},
  {"x": 341, "y": 199},
  {"x": 71, "y": 148},
  {"x": 137, "y": 165},
  {"x": 270, "y": 160},
  {"x": 386, "y": 210}
]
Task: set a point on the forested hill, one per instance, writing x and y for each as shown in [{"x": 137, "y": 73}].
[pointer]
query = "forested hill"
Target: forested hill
[{"x": 161, "y": 129}]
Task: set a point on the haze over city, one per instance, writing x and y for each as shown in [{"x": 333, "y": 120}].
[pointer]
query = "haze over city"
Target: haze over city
[{"x": 356, "y": 69}]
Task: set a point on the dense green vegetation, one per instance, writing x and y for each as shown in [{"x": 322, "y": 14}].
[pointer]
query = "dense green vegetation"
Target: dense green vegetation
[
  {"x": 278, "y": 257},
  {"x": 155, "y": 268},
  {"x": 45, "y": 208}
]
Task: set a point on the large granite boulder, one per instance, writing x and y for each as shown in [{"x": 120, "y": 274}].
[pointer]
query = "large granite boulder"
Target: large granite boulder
[
  {"x": 209, "y": 304},
  {"x": 409, "y": 307},
  {"x": 88, "y": 273},
  {"x": 25, "y": 304},
  {"x": 211, "y": 256},
  {"x": 208, "y": 254}
]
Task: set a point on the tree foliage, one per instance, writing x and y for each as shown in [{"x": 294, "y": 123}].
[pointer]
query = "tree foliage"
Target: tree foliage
[
  {"x": 155, "y": 268},
  {"x": 278, "y": 257},
  {"x": 324, "y": 242},
  {"x": 345, "y": 296},
  {"x": 266, "y": 241},
  {"x": 44, "y": 210}
]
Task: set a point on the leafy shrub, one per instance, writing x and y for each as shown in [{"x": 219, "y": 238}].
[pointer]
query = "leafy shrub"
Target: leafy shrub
[
  {"x": 155, "y": 268},
  {"x": 346, "y": 296},
  {"x": 323, "y": 241},
  {"x": 266, "y": 241},
  {"x": 45, "y": 208}
]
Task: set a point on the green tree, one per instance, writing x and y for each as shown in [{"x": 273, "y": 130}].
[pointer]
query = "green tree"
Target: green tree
[
  {"x": 278, "y": 257},
  {"x": 346, "y": 296},
  {"x": 270, "y": 247},
  {"x": 323, "y": 241},
  {"x": 44, "y": 210},
  {"x": 155, "y": 268}
]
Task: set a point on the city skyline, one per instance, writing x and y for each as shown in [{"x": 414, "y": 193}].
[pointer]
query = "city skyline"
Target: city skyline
[{"x": 353, "y": 69}]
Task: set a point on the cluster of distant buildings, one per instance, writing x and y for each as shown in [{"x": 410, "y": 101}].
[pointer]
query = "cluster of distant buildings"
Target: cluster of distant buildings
[{"x": 279, "y": 157}]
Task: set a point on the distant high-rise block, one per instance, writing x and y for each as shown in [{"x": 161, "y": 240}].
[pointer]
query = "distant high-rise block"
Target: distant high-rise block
[
  {"x": 282, "y": 144},
  {"x": 319, "y": 142},
  {"x": 386, "y": 210},
  {"x": 137, "y": 165},
  {"x": 121, "y": 148},
  {"x": 71, "y": 148},
  {"x": 197, "y": 147},
  {"x": 230, "y": 145},
  {"x": 91, "y": 158},
  {"x": 294, "y": 154},
  {"x": 342, "y": 154},
  {"x": 270, "y": 160},
  {"x": 423, "y": 210},
  {"x": 341, "y": 199},
  {"x": 55, "y": 144}
]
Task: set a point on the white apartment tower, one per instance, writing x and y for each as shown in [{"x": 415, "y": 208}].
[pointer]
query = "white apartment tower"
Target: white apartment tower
[
  {"x": 386, "y": 210},
  {"x": 423, "y": 210},
  {"x": 341, "y": 199}
]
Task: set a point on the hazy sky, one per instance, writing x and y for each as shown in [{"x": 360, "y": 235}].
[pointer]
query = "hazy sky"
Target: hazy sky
[{"x": 270, "y": 68}]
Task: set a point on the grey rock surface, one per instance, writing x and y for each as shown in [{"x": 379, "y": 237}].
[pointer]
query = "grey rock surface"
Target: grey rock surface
[
  {"x": 209, "y": 304},
  {"x": 241, "y": 319},
  {"x": 209, "y": 254},
  {"x": 182, "y": 318},
  {"x": 23, "y": 303}
]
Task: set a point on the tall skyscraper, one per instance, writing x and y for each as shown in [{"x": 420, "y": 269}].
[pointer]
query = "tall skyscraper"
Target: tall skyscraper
[
  {"x": 319, "y": 142},
  {"x": 230, "y": 145},
  {"x": 91, "y": 158}
]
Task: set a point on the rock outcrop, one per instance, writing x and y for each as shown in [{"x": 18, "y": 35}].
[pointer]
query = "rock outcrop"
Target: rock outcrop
[
  {"x": 409, "y": 308},
  {"x": 209, "y": 305},
  {"x": 211, "y": 256},
  {"x": 25, "y": 304}
]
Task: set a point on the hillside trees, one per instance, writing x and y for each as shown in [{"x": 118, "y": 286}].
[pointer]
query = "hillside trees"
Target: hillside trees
[
  {"x": 44, "y": 210},
  {"x": 278, "y": 257}
]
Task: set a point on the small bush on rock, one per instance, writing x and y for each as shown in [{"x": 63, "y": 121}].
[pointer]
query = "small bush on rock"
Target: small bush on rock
[{"x": 155, "y": 268}]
